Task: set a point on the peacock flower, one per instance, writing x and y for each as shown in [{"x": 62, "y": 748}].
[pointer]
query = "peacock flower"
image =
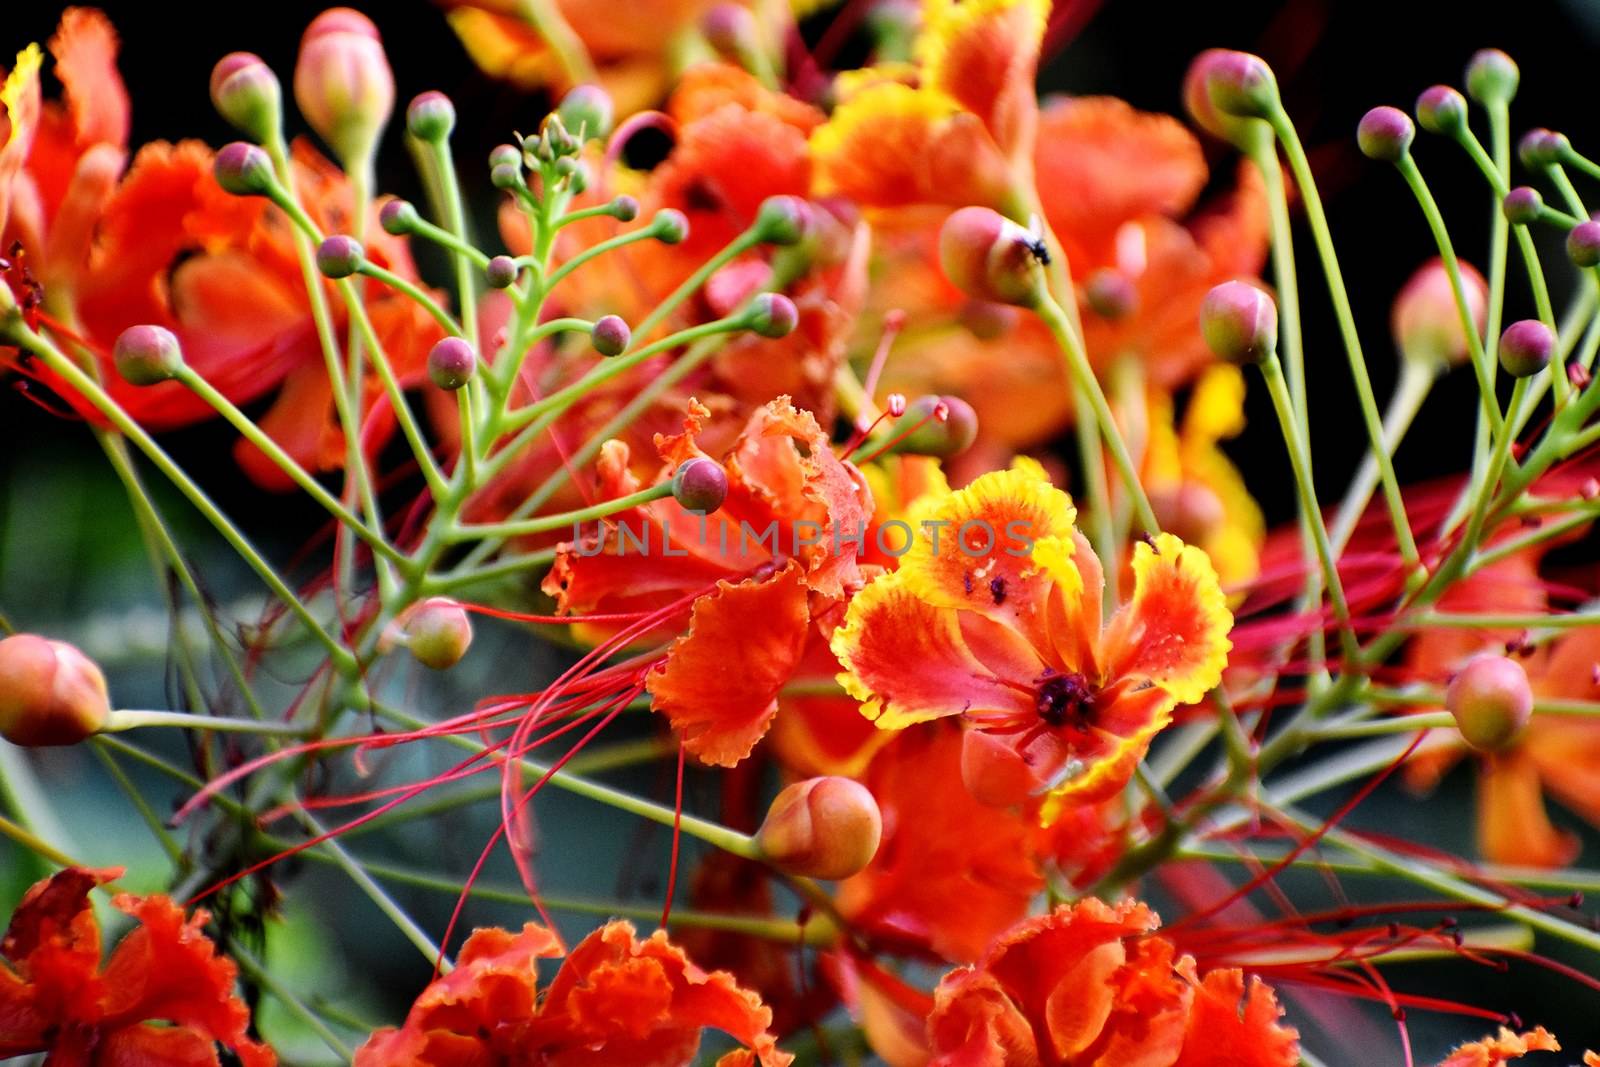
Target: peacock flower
[
  {"x": 1093, "y": 983},
  {"x": 163, "y": 996},
  {"x": 958, "y": 129},
  {"x": 994, "y": 617},
  {"x": 1504, "y": 1047},
  {"x": 616, "y": 999}
]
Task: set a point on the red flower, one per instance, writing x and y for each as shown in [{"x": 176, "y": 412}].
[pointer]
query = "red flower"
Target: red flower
[
  {"x": 1091, "y": 984},
  {"x": 615, "y": 1000},
  {"x": 164, "y": 997}
]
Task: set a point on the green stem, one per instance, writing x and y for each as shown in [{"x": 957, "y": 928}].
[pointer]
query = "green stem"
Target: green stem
[
  {"x": 546, "y": 523},
  {"x": 1411, "y": 390},
  {"x": 421, "y": 296},
  {"x": 121, "y": 720},
  {"x": 546, "y": 19}
]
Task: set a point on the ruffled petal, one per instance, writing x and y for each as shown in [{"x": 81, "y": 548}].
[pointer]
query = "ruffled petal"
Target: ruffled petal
[
  {"x": 984, "y": 54},
  {"x": 85, "y": 50},
  {"x": 1235, "y": 1025},
  {"x": 1174, "y": 631},
  {"x": 719, "y": 683},
  {"x": 1506, "y": 1046}
]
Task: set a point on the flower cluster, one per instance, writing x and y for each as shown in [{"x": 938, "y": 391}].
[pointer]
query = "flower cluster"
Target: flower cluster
[{"x": 857, "y": 441}]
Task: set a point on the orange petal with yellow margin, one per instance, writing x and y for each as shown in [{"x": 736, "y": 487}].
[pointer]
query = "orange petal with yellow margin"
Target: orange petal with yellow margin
[
  {"x": 1174, "y": 631},
  {"x": 719, "y": 683},
  {"x": 1502, "y": 1048},
  {"x": 985, "y": 55}
]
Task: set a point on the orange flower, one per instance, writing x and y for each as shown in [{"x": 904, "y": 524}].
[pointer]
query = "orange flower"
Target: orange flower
[
  {"x": 1506, "y": 1046},
  {"x": 616, "y": 999},
  {"x": 1092, "y": 984},
  {"x": 962, "y": 134},
  {"x": 748, "y": 568},
  {"x": 163, "y": 997},
  {"x": 163, "y": 244},
  {"x": 994, "y": 616}
]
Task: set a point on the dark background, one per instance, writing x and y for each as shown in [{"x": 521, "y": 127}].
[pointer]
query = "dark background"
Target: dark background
[{"x": 1333, "y": 60}]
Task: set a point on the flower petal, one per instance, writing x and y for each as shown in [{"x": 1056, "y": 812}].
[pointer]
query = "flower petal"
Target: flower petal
[
  {"x": 1174, "y": 631},
  {"x": 985, "y": 55},
  {"x": 85, "y": 50},
  {"x": 1232, "y": 1025},
  {"x": 1505, "y": 1046}
]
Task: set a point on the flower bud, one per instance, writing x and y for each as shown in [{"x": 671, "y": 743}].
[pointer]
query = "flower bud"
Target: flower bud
[
  {"x": 610, "y": 335},
  {"x": 1522, "y": 205},
  {"x": 1440, "y": 109},
  {"x": 451, "y": 363},
  {"x": 772, "y": 315},
  {"x": 624, "y": 209},
  {"x": 501, "y": 272},
  {"x": 1190, "y": 511},
  {"x": 246, "y": 93},
  {"x": 671, "y": 226},
  {"x": 1385, "y": 134},
  {"x": 506, "y": 176},
  {"x": 1237, "y": 131},
  {"x": 340, "y": 256},
  {"x": 1239, "y": 323},
  {"x": 730, "y": 29},
  {"x": 588, "y": 111},
  {"x": 343, "y": 83},
  {"x": 986, "y": 320},
  {"x": 431, "y": 116},
  {"x": 576, "y": 174},
  {"x": 1110, "y": 294},
  {"x": 989, "y": 257},
  {"x": 825, "y": 828},
  {"x": 1491, "y": 702},
  {"x": 994, "y": 772},
  {"x": 145, "y": 355},
  {"x": 1426, "y": 322},
  {"x": 437, "y": 632},
  {"x": 782, "y": 220},
  {"x": 243, "y": 169},
  {"x": 935, "y": 426},
  {"x": 700, "y": 485},
  {"x": 1492, "y": 76},
  {"x": 1583, "y": 244},
  {"x": 504, "y": 155},
  {"x": 1242, "y": 85},
  {"x": 398, "y": 217},
  {"x": 1526, "y": 347},
  {"x": 1541, "y": 148},
  {"x": 50, "y": 693}
]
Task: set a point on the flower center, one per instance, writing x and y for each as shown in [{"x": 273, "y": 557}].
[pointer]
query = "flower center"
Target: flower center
[{"x": 1064, "y": 698}]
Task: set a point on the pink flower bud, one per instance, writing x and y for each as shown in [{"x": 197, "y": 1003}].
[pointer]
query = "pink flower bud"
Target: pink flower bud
[
  {"x": 1189, "y": 511},
  {"x": 145, "y": 355},
  {"x": 1492, "y": 76},
  {"x": 943, "y": 426},
  {"x": 50, "y": 693},
  {"x": 1526, "y": 348},
  {"x": 430, "y": 116},
  {"x": 340, "y": 256},
  {"x": 700, "y": 485},
  {"x": 243, "y": 169},
  {"x": 1491, "y": 702},
  {"x": 398, "y": 217},
  {"x": 500, "y": 272},
  {"x": 782, "y": 220},
  {"x": 1237, "y": 131},
  {"x": 246, "y": 93},
  {"x": 1110, "y": 294},
  {"x": 451, "y": 363},
  {"x": 825, "y": 828},
  {"x": 1540, "y": 148},
  {"x": 437, "y": 631},
  {"x": 1385, "y": 134},
  {"x": 587, "y": 111},
  {"x": 610, "y": 335},
  {"x": 989, "y": 257},
  {"x": 1242, "y": 85},
  {"x": 1239, "y": 323},
  {"x": 1522, "y": 205},
  {"x": 1583, "y": 244},
  {"x": 1425, "y": 320},
  {"x": 1443, "y": 110},
  {"x": 772, "y": 315},
  {"x": 343, "y": 83}
]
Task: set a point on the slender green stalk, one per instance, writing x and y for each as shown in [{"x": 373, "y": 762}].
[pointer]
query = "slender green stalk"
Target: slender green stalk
[
  {"x": 1410, "y": 392},
  {"x": 566, "y": 519},
  {"x": 261, "y": 975},
  {"x": 121, "y": 720},
  {"x": 455, "y": 218},
  {"x": 546, "y": 19},
  {"x": 422, "y": 298}
]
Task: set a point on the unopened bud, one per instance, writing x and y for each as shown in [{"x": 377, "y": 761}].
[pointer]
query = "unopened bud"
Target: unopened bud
[
  {"x": 730, "y": 29},
  {"x": 451, "y": 363},
  {"x": 587, "y": 111},
  {"x": 246, "y": 93},
  {"x": 772, "y": 315},
  {"x": 1426, "y": 321},
  {"x": 505, "y": 155},
  {"x": 1242, "y": 85},
  {"x": 782, "y": 220},
  {"x": 398, "y": 217},
  {"x": 1526, "y": 348},
  {"x": 1522, "y": 206},
  {"x": 1239, "y": 323},
  {"x": 1540, "y": 148},
  {"x": 431, "y": 116},
  {"x": 1492, "y": 76},
  {"x": 670, "y": 226},
  {"x": 243, "y": 169},
  {"x": 610, "y": 335},
  {"x": 941, "y": 426},
  {"x": 1491, "y": 702},
  {"x": 343, "y": 83},
  {"x": 1443, "y": 110},
  {"x": 1385, "y": 134},
  {"x": 501, "y": 272},
  {"x": 340, "y": 256},
  {"x": 624, "y": 209},
  {"x": 437, "y": 632},
  {"x": 700, "y": 485},
  {"x": 1583, "y": 244},
  {"x": 826, "y": 828},
  {"x": 50, "y": 693},
  {"x": 1190, "y": 511},
  {"x": 575, "y": 173},
  {"x": 145, "y": 355},
  {"x": 1110, "y": 294},
  {"x": 506, "y": 176},
  {"x": 1237, "y": 131},
  {"x": 989, "y": 257}
]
